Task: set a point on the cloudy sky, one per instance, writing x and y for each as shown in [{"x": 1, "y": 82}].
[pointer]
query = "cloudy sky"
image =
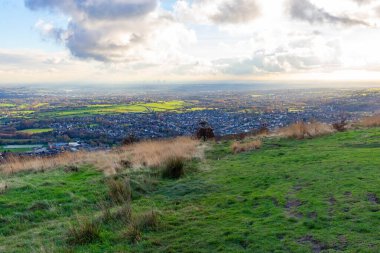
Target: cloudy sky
[{"x": 152, "y": 41}]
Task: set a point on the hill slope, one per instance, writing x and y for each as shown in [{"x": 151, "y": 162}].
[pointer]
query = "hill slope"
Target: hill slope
[{"x": 319, "y": 195}]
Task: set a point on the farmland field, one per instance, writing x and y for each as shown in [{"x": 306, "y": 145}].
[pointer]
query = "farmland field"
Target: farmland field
[
  {"x": 44, "y": 110},
  {"x": 35, "y": 131}
]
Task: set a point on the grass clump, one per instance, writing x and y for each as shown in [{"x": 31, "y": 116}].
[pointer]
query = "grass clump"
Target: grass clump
[
  {"x": 133, "y": 234},
  {"x": 302, "y": 130},
  {"x": 3, "y": 187},
  {"x": 39, "y": 205},
  {"x": 174, "y": 168},
  {"x": 238, "y": 147},
  {"x": 119, "y": 191},
  {"x": 148, "y": 221},
  {"x": 84, "y": 231},
  {"x": 372, "y": 121}
]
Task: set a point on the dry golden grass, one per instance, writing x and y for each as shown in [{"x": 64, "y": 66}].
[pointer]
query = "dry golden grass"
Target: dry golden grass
[
  {"x": 372, "y": 121},
  {"x": 3, "y": 187},
  {"x": 238, "y": 147},
  {"x": 156, "y": 153},
  {"x": 301, "y": 130},
  {"x": 148, "y": 153}
]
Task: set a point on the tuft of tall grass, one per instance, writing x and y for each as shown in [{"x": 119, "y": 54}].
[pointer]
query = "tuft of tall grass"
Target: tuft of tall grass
[
  {"x": 119, "y": 191},
  {"x": 133, "y": 234},
  {"x": 3, "y": 187},
  {"x": 372, "y": 121},
  {"x": 83, "y": 231},
  {"x": 156, "y": 153},
  {"x": 123, "y": 214},
  {"x": 174, "y": 168},
  {"x": 238, "y": 147},
  {"x": 302, "y": 130},
  {"x": 147, "y": 221}
]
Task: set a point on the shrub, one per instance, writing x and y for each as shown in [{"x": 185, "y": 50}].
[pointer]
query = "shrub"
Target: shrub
[
  {"x": 238, "y": 147},
  {"x": 83, "y": 232},
  {"x": 119, "y": 191},
  {"x": 174, "y": 168},
  {"x": 340, "y": 126}
]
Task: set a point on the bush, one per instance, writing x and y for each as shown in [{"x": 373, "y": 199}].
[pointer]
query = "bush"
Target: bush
[
  {"x": 174, "y": 168},
  {"x": 83, "y": 232},
  {"x": 119, "y": 191},
  {"x": 340, "y": 126}
]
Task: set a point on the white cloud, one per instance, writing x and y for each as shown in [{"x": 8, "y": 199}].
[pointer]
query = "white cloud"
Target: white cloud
[
  {"x": 220, "y": 12},
  {"x": 116, "y": 31},
  {"x": 124, "y": 40}
]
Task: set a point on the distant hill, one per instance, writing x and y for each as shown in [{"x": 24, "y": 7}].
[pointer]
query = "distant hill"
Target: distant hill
[{"x": 312, "y": 195}]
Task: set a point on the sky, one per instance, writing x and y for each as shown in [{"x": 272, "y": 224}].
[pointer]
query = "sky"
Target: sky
[{"x": 181, "y": 41}]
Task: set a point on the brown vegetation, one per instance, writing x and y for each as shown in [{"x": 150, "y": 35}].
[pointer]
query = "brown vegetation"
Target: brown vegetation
[
  {"x": 301, "y": 130},
  {"x": 238, "y": 147},
  {"x": 174, "y": 168},
  {"x": 372, "y": 121},
  {"x": 3, "y": 187},
  {"x": 84, "y": 231},
  {"x": 147, "y": 153}
]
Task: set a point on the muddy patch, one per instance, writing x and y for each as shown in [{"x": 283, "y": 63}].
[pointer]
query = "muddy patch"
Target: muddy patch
[
  {"x": 372, "y": 197},
  {"x": 316, "y": 245},
  {"x": 291, "y": 207},
  {"x": 332, "y": 203}
]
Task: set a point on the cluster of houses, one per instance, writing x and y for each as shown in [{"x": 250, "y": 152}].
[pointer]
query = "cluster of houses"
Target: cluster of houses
[{"x": 52, "y": 149}]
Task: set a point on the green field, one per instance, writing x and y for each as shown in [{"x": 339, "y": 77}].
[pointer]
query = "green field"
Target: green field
[
  {"x": 15, "y": 150},
  {"x": 319, "y": 195},
  {"x": 35, "y": 131},
  {"x": 44, "y": 110},
  {"x": 116, "y": 109},
  {"x": 7, "y": 105}
]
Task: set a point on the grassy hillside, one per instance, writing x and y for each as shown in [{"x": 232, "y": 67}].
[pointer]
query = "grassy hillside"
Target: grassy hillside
[{"x": 319, "y": 195}]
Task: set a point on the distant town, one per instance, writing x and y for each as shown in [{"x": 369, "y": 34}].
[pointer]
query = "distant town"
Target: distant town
[{"x": 44, "y": 122}]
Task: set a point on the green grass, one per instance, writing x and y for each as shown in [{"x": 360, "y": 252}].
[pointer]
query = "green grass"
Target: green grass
[
  {"x": 15, "y": 150},
  {"x": 36, "y": 131},
  {"x": 317, "y": 195}
]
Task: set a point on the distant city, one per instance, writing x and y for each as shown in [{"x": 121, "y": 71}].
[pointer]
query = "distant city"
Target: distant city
[{"x": 45, "y": 121}]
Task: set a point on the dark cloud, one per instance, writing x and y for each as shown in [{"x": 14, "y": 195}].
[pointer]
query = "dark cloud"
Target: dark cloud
[
  {"x": 97, "y": 9},
  {"x": 237, "y": 11},
  {"x": 104, "y": 30},
  {"x": 306, "y": 11}
]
